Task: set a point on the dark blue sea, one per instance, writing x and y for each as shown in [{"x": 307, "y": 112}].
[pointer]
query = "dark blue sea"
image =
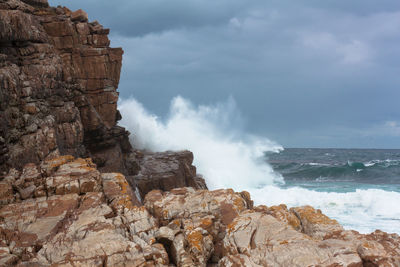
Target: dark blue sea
[{"x": 358, "y": 187}]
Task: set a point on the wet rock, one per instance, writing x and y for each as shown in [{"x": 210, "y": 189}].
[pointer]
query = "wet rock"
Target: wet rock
[{"x": 167, "y": 170}]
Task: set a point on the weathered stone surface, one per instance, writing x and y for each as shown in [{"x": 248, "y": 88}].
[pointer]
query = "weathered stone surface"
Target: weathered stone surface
[
  {"x": 269, "y": 242},
  {"x": 380, "y": 249},
  {"x": 16, "y": 25},
  {"x": 58, "y": 79},
  {"x": 167, "y": 170},
  {"x": 79, "y": 15},
  {"x": 6, "y": 193},
  {"x": 84, "y": 218},
  {"x": 73, "y": 215},
  {"x": 194, "y": 221},
  {"x": 93, "y": 236},
  {"x": 314, "y": 223},
  {"x": 282, "y": 213}
]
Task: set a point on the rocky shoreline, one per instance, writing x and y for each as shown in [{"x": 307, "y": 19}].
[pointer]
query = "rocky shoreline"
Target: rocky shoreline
[{"x": 73, "y": 191}]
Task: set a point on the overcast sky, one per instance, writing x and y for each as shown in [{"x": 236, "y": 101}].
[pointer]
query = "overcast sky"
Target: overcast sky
[{"x": 305, "y": 73}]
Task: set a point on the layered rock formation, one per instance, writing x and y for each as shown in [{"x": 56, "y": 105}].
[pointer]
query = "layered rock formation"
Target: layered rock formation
[
  {"x": 58, "y": 79},
  {"x": 58, "y": 207},
  {"x": 64, "y": 212}
]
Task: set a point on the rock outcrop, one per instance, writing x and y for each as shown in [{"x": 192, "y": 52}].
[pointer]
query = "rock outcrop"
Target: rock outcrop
[
  {"x": 73, "y": 215},
  {"x": 165, "y": 171},
  {"x": 64, "y": 212},
  {"x": 58, "y": 80}
]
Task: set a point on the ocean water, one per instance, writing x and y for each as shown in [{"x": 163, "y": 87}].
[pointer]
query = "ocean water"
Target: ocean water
[
  {"x": 338, "y": 170},
  {"x": 359, "y": 188}
]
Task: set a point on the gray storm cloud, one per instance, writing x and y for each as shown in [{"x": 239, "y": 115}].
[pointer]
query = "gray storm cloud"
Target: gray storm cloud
[{"x": 304, "y": 73}]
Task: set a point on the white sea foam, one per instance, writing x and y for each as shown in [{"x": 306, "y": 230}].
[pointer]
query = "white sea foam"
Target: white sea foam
[
  {"x": 317, "y": 164},
  {"x": 363, "y": 210},
  {"x": 230, "y": 158},
  {"x": 383, "y": 163},
  {"x": 225, "y": 156}
]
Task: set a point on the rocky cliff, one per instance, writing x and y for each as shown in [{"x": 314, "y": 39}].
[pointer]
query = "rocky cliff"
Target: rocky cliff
[
  {"x": 58, "y": 81},
  {"x": 73, "y": 192}
]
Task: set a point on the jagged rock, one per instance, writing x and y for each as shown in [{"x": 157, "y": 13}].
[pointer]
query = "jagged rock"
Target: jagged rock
[
  {"x": 380, "y": 249},
  {"x": 79, "y": 15},
  {"x": 259, "y": 236},
  {"x": 314, "y": 223},
  {"x": 167, "y": 170},
  {"x": 268, "y": 242},
  {"x": 84, "y": 218},
  {"x": 194, "y": 221},
  {"x": 282, "y": 213},
  {"x": 58, "y": 79}
]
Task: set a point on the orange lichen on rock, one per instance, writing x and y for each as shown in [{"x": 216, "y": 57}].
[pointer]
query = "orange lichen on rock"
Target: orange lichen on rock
[
  {"x": 314, "y": 223},
  {"x": 53, "y": 163},
  {"x": 195, "y": 239},
  {"x": 122, "y": 182},
  {"x": 231, "y": 227},
  {"x": 282, "y": 213},
  {"x": 206, "y": 223},
  {"x": 313, "y": 215},
  {"x": 118, "y": 192},
  {"x": 238, "y": 203}
]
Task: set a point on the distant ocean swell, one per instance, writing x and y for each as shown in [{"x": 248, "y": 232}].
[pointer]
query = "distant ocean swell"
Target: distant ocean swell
[
  {"x": 374, "y": 169},
  {"x": 229, "y": 157}
]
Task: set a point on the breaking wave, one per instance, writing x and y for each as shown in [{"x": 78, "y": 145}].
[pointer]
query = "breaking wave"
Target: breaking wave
[
  {"x": 228, "y": 157},
  {"x": 224, "y": 155}
]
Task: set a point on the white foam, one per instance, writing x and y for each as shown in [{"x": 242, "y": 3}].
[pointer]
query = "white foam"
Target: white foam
[
  {"x": 224, "y": 155},
  {"x": 229, "y": 158},
  {"x": 362, "y": 210},
  {"x": 317, "y": 164}
]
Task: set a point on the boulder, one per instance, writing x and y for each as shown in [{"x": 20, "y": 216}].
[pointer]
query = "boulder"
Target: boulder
[
  {"x": 79, "y": 15},
  {"x": 167, "y": 170}
]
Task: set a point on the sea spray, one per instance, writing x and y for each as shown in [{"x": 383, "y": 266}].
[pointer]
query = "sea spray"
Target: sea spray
[
  {"x": 228, "y": 157},
  {"x": 361, "y": 210}
]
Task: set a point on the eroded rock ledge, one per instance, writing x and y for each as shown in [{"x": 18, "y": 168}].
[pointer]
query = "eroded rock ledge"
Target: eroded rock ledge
[{"x": 64, "y": 212}]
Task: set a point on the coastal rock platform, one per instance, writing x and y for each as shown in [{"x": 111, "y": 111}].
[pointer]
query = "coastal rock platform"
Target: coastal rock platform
[{"x": 64, "y": 212}]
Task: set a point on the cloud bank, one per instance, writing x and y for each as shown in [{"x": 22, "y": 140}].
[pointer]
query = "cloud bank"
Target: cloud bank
[{"x": 304, "y": 73}]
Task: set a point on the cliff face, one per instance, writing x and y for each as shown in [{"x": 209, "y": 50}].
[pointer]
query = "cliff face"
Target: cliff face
[{"x": 58, "y": 79}]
